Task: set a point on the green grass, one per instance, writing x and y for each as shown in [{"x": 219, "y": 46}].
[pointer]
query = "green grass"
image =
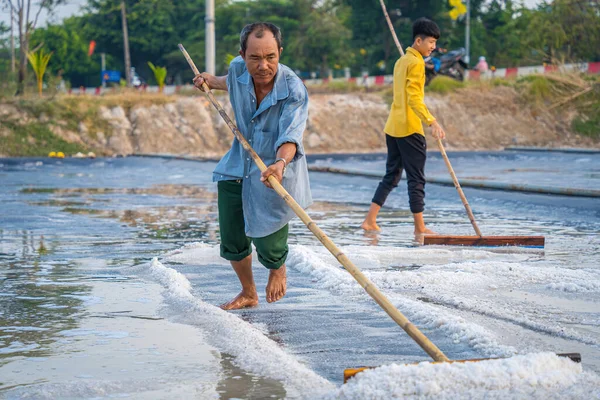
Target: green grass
[
  {"x": 536, "y": 90},
  {"x": 561, "y": 93},
  {"x": 68, "y": 111},
  {"x": 588, "y": 121},
  {"x": 33, "y": 139},
  {"x": 494, "y": 82},
  {"x": 444, "y": 85},
  {"x": 336, "y": 87},
  {"x": 587, "y": 127}
]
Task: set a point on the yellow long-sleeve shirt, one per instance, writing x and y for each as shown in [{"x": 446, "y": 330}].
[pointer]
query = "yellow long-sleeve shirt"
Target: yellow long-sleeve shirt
[{"x": 408, "y": 108}]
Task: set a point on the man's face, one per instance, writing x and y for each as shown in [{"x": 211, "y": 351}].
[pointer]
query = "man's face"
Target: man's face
[
  {"x": 425, "y": 46},
  {"x": 262, "y": 57}
]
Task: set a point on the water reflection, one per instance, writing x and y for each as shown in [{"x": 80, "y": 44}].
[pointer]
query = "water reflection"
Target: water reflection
[
  {"x": 39, "y": 297},
  {"x": 194, "y": 221},
  {"x": 198, "y": 192},
  {"x": 239, "y": 384},
  {"x": 44, "y": 277}
]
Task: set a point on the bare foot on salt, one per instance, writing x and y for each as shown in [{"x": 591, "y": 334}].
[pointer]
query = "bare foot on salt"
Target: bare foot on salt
[
  {"x": 277, "y": 284},
  {"x": 242, "y": 300},
  {"x": 420, "y": 235},
  {"x": 427, "y": 231},
  {"x": 370, "y": 226}
]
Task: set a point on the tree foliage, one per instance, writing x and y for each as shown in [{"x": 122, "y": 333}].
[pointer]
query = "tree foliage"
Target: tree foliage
[
  {"x": 25, "y": 14},
  {"x": 160, "y": 74},
  {"x": 320, "y": 36},
  {"x": 39, "y": 62}
]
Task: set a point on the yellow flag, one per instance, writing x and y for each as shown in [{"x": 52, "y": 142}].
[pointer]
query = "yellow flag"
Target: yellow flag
[{"x": 458, "y": 9}]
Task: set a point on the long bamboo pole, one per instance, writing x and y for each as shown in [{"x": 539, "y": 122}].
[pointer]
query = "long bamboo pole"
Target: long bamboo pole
[
  {"x": 369, "y": 286},
  {"x": 389, "y": 21},
  {"x": 463, "y": 198},
  {"x": 439, "y": 141}
]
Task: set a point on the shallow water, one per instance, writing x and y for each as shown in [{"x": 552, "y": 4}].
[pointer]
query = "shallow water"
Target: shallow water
[{"x": 84, "y": 313}]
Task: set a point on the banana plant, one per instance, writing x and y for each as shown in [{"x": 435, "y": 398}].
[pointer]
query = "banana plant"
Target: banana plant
[
  {"x": 160, "y": 74},
  {"x": 39, "y": 62}
]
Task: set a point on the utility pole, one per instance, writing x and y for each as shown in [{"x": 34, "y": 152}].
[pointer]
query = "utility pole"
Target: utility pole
[
  {"x": 468, "y": 33},
  {"x": 12, "y": 42},
  {"x": 103, "y": 67},
  {"x": 126, "y": 44},
  {"x": 210, "y": 36}
]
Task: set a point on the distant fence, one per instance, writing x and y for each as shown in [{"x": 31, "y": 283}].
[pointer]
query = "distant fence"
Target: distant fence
[
  {"x": 588, "y": 67},
  {"x": 379, "y": 80}
]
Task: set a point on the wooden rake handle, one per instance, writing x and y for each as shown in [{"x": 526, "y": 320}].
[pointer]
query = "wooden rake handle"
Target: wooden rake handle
[
  {"x": 458, "y": 188},
  {"x": 369, "y": 286},
  {"x": 389, "y": 21},
  {"x": 439, "y": 141}
]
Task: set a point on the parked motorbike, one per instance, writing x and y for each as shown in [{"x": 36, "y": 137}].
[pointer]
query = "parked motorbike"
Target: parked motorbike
[{"x": 451, "y": 64}]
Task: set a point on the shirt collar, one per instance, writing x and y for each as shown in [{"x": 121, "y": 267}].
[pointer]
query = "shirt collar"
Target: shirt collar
[
  {"x": 280, "y": 87},
  {"x": 414, "y": 52}
]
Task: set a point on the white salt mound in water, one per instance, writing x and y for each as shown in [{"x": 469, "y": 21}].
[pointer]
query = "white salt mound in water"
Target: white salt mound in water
[
  {"x": 533, "y": 376},
  {"x": 253, "y": 351}
]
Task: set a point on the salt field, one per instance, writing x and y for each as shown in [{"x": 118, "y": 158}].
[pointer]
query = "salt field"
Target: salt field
[{"x": 111, "y": 281}]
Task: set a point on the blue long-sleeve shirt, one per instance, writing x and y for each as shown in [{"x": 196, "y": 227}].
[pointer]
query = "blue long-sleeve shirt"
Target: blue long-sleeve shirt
[{"x": 280, "y": 118}]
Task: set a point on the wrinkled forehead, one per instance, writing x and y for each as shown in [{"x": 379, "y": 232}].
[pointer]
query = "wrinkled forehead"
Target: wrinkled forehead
[{"x": 264, "y": 45}]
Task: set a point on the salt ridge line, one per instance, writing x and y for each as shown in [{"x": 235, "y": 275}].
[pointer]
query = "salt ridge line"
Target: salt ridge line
[
  {"x": 365, "y": 255},
  {"x": 571, "y": 287},
  {"x": 336, "y": 280},
  {"x": 362, "y": 255},
  {"x": 496, "y": 273},
  {"x": 533, "y": 376},
  {"x": 490, "y": 309},
  {"x": 497, "y": 309},
  {"x": 433, "y": 282},
  {"x": 237, "y": 337},
  {"x": 506, "y": 267}
]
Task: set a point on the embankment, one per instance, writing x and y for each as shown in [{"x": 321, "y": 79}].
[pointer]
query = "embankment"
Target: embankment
[{"x": 474, "y": 119}]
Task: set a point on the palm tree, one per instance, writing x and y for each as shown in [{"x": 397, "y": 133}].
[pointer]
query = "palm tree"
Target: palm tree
[
  {"x": 39, "y": 61},
  {"x": 160, "y": 74}
]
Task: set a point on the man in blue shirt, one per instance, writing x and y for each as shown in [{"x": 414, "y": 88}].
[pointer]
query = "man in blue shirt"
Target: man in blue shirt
[{"x": 270, "y": 104}]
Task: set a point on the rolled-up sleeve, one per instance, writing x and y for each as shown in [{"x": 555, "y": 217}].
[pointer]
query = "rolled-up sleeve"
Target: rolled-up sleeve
[
  {"x": 292, "y": 121},
  {"x": 415, "y": 78}
]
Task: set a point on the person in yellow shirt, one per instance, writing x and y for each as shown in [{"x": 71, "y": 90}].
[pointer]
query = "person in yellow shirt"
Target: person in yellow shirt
[{"x": 404, "y": 134}]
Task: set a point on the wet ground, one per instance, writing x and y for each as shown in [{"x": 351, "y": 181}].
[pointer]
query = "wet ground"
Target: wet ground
[{"x": 84, "y": 312}]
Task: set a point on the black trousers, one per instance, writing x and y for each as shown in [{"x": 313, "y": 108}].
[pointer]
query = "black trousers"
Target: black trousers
[{"x": 408, "y": 153}]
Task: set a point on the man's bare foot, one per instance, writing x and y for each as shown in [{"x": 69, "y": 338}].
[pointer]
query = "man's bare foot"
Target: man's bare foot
[
  {"x": 420, "y": 235},
  {"x": 427, "y": 231},
  {"x": 370, "y": 226},
  {"x": 277, "y": 284},
  {"x": 242, "y": 300}
]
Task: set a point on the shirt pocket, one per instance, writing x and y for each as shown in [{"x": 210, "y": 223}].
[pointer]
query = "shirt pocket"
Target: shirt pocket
[{"x": 264, "y": 145}]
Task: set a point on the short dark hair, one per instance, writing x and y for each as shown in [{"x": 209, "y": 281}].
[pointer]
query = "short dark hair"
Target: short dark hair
[
  {"x": 258, "y": 28},
  {"x": 425, "y": 28}
]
